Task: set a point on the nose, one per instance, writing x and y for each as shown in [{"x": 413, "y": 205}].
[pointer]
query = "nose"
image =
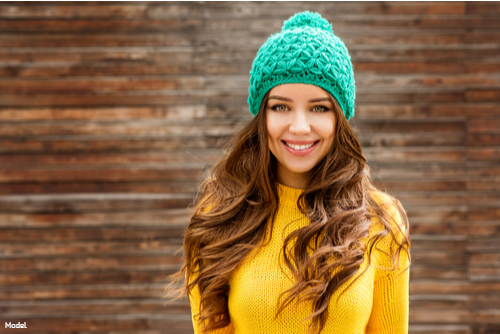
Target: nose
[{"x": 300, "y": 123}]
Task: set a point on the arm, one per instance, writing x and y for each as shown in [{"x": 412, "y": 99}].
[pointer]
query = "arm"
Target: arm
[
  {"x": 194, "y": 301},
  {"x": 390, "y": 310}
]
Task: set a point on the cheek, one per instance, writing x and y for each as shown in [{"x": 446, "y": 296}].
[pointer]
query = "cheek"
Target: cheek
[
  {"x": 325, "y": 127},
  {"x": 273, "y": 130},
  {"x": 331, "y": 131}
]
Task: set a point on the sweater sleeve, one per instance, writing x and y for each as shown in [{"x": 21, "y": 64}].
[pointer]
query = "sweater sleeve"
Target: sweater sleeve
[
  {"x": 390, "y": 311},
  {"x": 194, "y": 302}
]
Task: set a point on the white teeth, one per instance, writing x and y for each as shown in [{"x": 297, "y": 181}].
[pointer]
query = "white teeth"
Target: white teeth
[{"x": 299, "y": 147}]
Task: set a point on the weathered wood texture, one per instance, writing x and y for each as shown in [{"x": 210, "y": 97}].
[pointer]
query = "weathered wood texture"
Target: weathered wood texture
[{"x": 111, "y": 112}]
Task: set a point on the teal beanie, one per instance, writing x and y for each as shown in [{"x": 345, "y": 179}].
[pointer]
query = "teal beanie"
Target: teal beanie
[{"x": 305, "y": 51}]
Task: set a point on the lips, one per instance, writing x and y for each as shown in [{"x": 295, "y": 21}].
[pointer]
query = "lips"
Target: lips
[
  {"x": 299, "y": 143},
  {"x": 300, "y": 153}
]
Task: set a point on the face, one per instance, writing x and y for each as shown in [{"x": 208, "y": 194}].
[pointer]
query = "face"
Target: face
[{"x": 299, "y": 115}]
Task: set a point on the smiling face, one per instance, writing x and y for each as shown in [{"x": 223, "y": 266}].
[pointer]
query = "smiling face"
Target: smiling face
[{"x": 300, "y": 115}]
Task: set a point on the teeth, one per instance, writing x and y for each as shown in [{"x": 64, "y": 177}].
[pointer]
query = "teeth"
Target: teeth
[{"x": 299, "y": 147}]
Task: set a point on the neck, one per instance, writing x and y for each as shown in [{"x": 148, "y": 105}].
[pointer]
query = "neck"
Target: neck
[{"x": 291, "y": 179}]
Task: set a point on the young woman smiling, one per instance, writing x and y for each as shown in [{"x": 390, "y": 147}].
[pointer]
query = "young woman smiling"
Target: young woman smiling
[
  {"x": 300, "y": 121},
  {"x": 289, "y": 235}
]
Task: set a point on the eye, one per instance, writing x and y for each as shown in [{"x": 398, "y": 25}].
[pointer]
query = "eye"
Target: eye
[
  {"x": 320, "y": 109},
  {"x": 279, "y": 107}
]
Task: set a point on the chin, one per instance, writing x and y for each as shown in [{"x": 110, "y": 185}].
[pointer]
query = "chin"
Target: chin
[{"x": 299, "y": 170}]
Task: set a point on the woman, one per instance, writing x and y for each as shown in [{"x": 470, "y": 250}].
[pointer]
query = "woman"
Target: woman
[{"x": 289, "y": 234}]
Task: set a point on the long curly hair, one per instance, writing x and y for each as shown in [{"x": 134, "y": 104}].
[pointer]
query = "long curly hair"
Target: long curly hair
[{"x": 231, "y": 212}]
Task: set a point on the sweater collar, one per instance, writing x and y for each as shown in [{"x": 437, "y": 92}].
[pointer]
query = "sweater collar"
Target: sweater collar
[{"x": 288, "y": 195}]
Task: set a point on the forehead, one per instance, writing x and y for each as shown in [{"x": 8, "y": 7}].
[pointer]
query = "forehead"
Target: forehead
[{"x": 298, "y": 90}]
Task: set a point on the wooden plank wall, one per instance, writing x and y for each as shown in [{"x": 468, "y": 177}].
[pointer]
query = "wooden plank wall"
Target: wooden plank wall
[{"x": 110, "y": 114}]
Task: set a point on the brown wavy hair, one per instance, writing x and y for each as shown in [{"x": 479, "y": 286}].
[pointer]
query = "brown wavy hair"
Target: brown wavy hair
[{"x": 231, "y": 211}]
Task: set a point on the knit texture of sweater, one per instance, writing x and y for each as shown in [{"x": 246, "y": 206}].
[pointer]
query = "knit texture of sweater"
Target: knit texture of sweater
[{"x": 377, "y": 302}]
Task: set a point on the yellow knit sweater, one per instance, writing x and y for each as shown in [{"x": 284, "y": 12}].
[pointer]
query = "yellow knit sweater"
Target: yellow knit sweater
[{"x": 376, "y": 303}]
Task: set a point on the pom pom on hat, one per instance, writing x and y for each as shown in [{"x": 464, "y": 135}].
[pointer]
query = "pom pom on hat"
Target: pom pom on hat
[
  {"x": 305, "y": 51},
  {"x": 307, "y": 19}
]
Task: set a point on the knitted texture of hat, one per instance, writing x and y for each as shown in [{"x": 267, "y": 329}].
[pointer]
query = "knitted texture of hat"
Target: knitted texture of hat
[{"x": 305, "y": 51}]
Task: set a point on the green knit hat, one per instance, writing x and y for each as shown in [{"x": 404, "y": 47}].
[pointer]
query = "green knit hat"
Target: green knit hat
[{"x": 305, "y": 51}]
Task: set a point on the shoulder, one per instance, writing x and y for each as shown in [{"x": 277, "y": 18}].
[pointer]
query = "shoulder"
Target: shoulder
[
  {"x": 388, "y": 229},
  {"x": 205, "y": 196},
  {"x": 389, "y": 205}
]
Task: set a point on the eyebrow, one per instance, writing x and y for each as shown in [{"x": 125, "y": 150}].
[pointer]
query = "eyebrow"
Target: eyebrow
[{"x": 276, "y": 97}]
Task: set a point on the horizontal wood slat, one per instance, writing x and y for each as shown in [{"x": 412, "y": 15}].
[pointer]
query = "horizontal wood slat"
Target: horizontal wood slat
[
  {"x": 49, "y": 308},
  {"x": 103, "y": 234},
  {"x": 90, "y": 248},
  {"x": 109, "y": 129},
  {"x": 161, "y": 218},
  {"x": 82, "y": 203},
  {"x": 95, "y": 187},
  {"x": 237, "y": 10},
  {"x": 78, "y": 26},
  {"x": 79, "y": 283},
  {"x": 174, "y": 113}
]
